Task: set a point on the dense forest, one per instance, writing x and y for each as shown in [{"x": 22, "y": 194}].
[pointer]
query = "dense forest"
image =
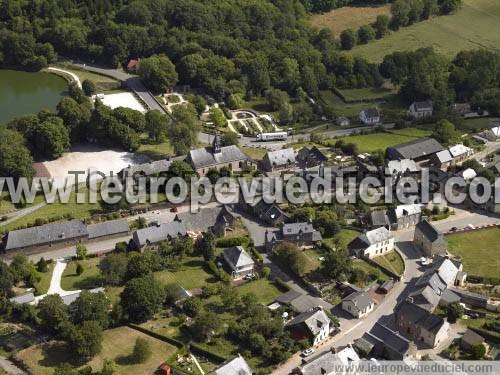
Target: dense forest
[{"x": 221, "y": 46}]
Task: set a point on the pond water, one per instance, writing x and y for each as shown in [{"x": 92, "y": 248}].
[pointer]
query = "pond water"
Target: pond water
[{"x": 23, "y": 93}]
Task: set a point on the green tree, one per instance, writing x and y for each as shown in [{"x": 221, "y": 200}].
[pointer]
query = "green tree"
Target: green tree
[
  {"x": 53, "y": 313},
  {"x": 292, "y": 256},
  {"x": 75, "y": 117},
  {"x": 199, "y": 103},
  {"x": 85, "y": 340},
  {"x": 337, "y": 265},
  {"x": 6, "y": 280},
  {"x": 79, "y": 269},
  {"x": 89, "y": 87},
  {"x": 20, "y": 268},
  {"x": 138, "y": 265},
  {"x": 142, "y": 298},
  {"x": 478, "y": 352},
  {"x": 449, "y": 6},
  {"x": 108, "y": 367},
  {"x": 64, "y": 369},
  {"x": 229, "y": 138},
  {"x": 184, "y": 131},
  {"x": 400, "y": 10},
  {"x": 191, "y": 306},
  {"x": 114, "y": 268},
  {"x": 158, "y": 73},
  {"x": 348, "y": 39},
  {"x": 327, "y": 223},
  {"x": 90, "y": 307},
  {"x": 218, "y": 118},
  {"x": 445, "y": 133},
  {"x": 76, "y": 92},
  {"x": 42, "y": 265},
  {"x": 81, "y": 251},
  {"x": 205, "y": 325},
  {"x": 142, "y": 350},
  {"x": 15, "y": 158},
  {"x": 130, "y": 118},
  {"x": 381, "y": 26},
  {"x": 50, "y": 138},
  {"x": 205, "y": 245},
  {"x": 156, "y": 125},
  {"x": 454, "y": 311},
  {"x": 365, "y": 34}
]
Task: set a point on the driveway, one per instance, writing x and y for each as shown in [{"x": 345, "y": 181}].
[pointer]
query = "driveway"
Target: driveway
[{"x": 55, "y": 281}]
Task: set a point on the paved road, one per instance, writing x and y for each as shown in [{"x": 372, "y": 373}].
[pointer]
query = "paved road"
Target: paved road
[{"x": 9, "y": 367}]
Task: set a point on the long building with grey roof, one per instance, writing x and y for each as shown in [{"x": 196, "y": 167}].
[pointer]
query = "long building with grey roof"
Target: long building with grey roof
[
  {"x": 418, "y": 150},
  {"x": 157, "y": 233}
]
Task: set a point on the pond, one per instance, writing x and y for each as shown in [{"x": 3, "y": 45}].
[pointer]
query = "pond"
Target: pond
[{"x": 23, "y": 93}]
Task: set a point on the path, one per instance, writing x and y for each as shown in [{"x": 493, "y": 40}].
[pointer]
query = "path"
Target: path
[
  {"x": 55, "y": 282},
  {"x": 197, "y": 364},
  {"x": 9, "y": 367},
  {"x": 71, "y": 74}
]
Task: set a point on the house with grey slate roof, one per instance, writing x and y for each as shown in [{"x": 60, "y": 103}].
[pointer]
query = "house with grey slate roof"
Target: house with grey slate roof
[
  {"x": 234, "y": 366},
  {"x": 153, "y": 168},
  {"x": 157, "y": 233},
  {"x": 217, "y": 219},
  {"x": 419, "y": 150},
  {"x": 279, "y": 160},
  {"x": 358, "y": 304},
  {"x": 300, "y": 234},
  {"x": 370, "y": 116},
  {"x": 48, "y": 235},
  {"x": 269, "y": 213},
  {"x": 420, "y": 325},
  {"x": 426, "y": 297},
  {"x": 420, "y": 110},
  {"x": 404, "y": 216},
  {"x": 429, "y": 239},
  {"x": 384, "y": 342},
  {"x": 329, "y": 362},
  {"x": 238, "y": 260},
  {"x": 442, "y": 160},
  {"x": 372, "y": 243},
  {"x": 310, "y": 157},
  {"x": 108, "y": 228},
  {"x": 301, "y": 303},
  {"x": 216, "y": 157},
  {"x": 312, "y": 325}
]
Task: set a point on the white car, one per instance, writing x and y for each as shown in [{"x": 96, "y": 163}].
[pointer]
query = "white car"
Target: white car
[{"x": 307, "y": 352}]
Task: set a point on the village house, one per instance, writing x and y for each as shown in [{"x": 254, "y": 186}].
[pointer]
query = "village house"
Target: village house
[
  {"x": 300, "y": 234},
  {"x": 234, "y": 366},
  {"x": 279, "y": 160},
  {"x": 403, "y": 168},
  {"x": 420, "y": 110},
  {"x": 426, "y": 297},
  {"x": 218, "y": 220},
  {"x": 386, "y": 343},
  {"x": 471, "y": 339},
  {"x": 429, "y": 239},
  {"x": 370, "y": 116},
  {"x": 492, "y": 134},
  {"x": 157, "y": 233},
  {"x": 312, "y": 325},
  {"x": 442, "y": 160},
  {"x": 216, "y": 157},
  {"x": 342, "y": 121},
  {"x": 379, "y": 218},
  {"x": 420, "y": 325},
  {"x": 154, "y": 168},
  {"x": 134, "y": 65},
  {"x": 310, "y": 157},
  {"x": 372, "y": 243},
  {"x": 459, "y": 152},
  {"x": 404, "y": 216},
  {"x": 358, "y": 304},
  {"x": 239, "y": 262},
  {"x": 300, "y": 303},
  {"x": 269, "y": 213},
  {"x": 329, "y": 362},
  {"x": 419, "y": 150}
]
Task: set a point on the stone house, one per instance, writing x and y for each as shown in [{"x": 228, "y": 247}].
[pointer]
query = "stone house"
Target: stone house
[
  {"x": 429, "y": 239},
  {"x": 372, "y": 243},
  {"x": 358, "y": 304}
]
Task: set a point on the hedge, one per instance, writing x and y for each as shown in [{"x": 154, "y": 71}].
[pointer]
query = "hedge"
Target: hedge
[
  {"x": 284, "y": 287},
  {"x": 256, "y": 255},
  {"x": 207, "y": 353},
  {"x": 217, "y": 272},
  {"x": 231, "y": 241},
  {"x": 158, "y": 336}
]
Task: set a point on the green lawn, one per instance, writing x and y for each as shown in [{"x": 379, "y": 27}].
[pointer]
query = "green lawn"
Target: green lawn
[
  {"x": 477, "y": 124},
  {"x": 90, "y": 277},
  {"x": 42, "y": 286},
  {"x": 254, "y": 153},
  {"x": 191, "y": 274},
  {"x": 5, "y": 204},
  {"x": 265, "y": 291},
  {"x": 479, "y": 251},
  {"x": 157, "y": 151},
  {"x": 392, "y": 260},
  {"x": 117, "y": 345},
  {"x": 370, "y": 269},
  {"x": 474, "y": 26},
  {"x": 313, "y": 261},
  {"x": 367, "y": 94},
  {"x": 345, "y": 235},
  {"x": 380, "y": 141}
]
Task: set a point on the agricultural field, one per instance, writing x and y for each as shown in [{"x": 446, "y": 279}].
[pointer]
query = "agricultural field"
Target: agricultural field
[
  {"x": 366, "y": 94},
  {"x": 380, "y": 141},
  {"x": 42, "y": 359},
  {"x": 338, "y": 20},
  {"x": 476, "y": 25},
  {"x": 480, "y": 260}
]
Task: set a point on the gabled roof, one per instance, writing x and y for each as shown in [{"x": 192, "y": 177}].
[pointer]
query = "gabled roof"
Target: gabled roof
[
  {"x": 472, "y": 338},
  {"x": 238, "y": 257},
  {"x": 311, "y": 154},
  {"x": 295, "y": 229},
  {"x": 288, "y": 297},
  {"x": 375, "y": 236},
  {"x": 45, "y": 234},
  {"x": 459, "y": 149},
  {"x": 205, "y": 157},
  {"x": 418, "y": 148},
  {"x": 203, "y": 220},
  {"x": 402, "y": 166},
  {"x": 108, "y": 228},
  {"x": 159, "y": 233},
  {"x": 426, "y": 298},
  {"x": 389, "y": 338},
  {"x": 327, "y": 362},
  {"x": 314, "y": 320},
  {"x": 444, "y": 156},
  {"x": 360, "y": 299},
  {"x": 419, "y": 316},
  {"x": 280, "y": 157},
  {"x": 429, "y": 230},
  {"x": 423, "y": 106},
  {"x": 371, "y": 113},
  {"x": 446, "y": 270},
  {"x": 407, "y": 210},
  {"x": 235, "y": 366},
  {"x": 146, "y": 169},
  {"x": 302, "y": 302},
  {"x": 431, "y": 278}
]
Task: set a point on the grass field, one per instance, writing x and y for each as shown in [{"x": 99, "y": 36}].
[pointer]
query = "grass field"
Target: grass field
[
  {"x": 265, "y": 291},
  {"x": 117, "y": 345},
  {"x": 42, "y": 286},
  {"x": 190, "y": 275},
  {"x": 392, "y": 260},
  {"x": 479, "y": 251},
  {"x": 366, "y": 94},
  {"x": 337, "y": 20},
  {"x": 103, "y": 83},
  {"x": 369, "y": 269},
  {"x": 157, "y": 151},
  {"x": 254, "y": 153},
  {"x": 88, "y": 279},
  {"x": 5, "y": 204},
  {"x": 476, "y": 25},
  {"x": 380, "y": 141}
]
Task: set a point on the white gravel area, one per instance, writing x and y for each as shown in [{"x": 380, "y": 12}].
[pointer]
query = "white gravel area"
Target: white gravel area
[{"x": 123, "y": 99}]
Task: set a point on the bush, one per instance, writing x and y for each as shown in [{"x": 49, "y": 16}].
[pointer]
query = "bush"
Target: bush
[
  {"x": 217, "y": 272},
  {"x": 142, "y": 350},
  {"x": 284, "y": 287},
  {"x": 231, "y": 241},
  {"x": 79, "y": 269},
  {"x": 266, "y": 271}
]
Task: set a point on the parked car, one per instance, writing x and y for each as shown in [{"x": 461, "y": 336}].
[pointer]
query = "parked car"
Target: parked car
[
  {"x": 249, "y": 276},
  {"x": 307, "y": 352}
]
